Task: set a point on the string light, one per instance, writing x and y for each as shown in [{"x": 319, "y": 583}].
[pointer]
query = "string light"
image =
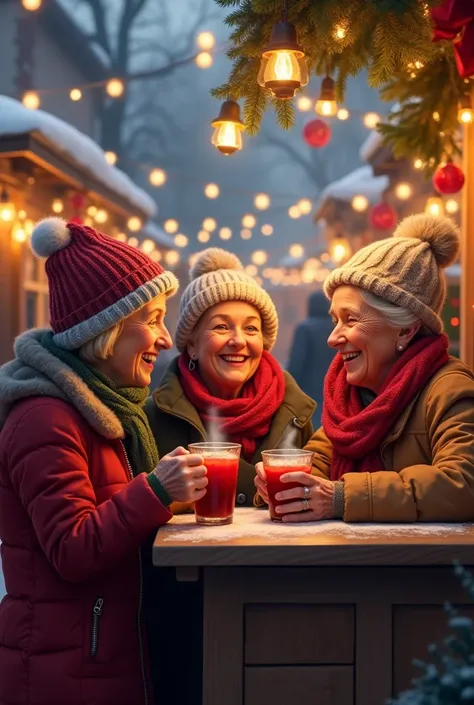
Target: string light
[
  {"x": 57, "y": 206},
  {"x": 157, "y": 177},
  {"x": 133, "y": 241},
  {"x": 283, "y": 67},
  {"x": 360, "y": 203},
  {"x": 180, "y": 240},
  {"x": 436, "y": 116},
  {"x": 203, "y": 236},
  {"x": 31, "y": 100},
  {"x": 203, "y": 60},
  {"x": 114, "y": 87},
  {"x": 339, "y": 249},
  {"x": 155, "y": 255},
  {"x": 305, "y": 206},
  {"x": 296, "y": 251},
  {"x": 403, "y": 191},
  {"x": 7, "y": 208},
  {"x": 371, "y": 120},
  {"x": 19, "y": 234},
  {"x": 172, "y": 258},
  {"x": 211, "y": 190},
  {"x": 31, "y": 5},
  {"x": 249, "y": 221},
  {"x": 245, "y": 234},
  {"x": 110, "y": 157},
  {"x": 434, "y": 205},
  {"x": 452, "y": 206},
  {"x": 340, "y": 31},
  {"x": 91, "y": 210},
  {"x": 262, "y": 201},
  {"x": 134, "y": 224},
  {"x": 418, "y": 164},
  {"x": 259, "y": 257},
  {"x": 121, "y": 237},
  {"x": 205, "y": 41},
  {"x": 326, "y": 104},
  {"x": 294, "y": 212},
  {"x": 251, "y": 270},
  {"x": 267, "y": 230},
  {"x": 171, "y": 225},
  {"x": 209, "y": 224},
  {"x": 148, "y": 246},
  {"x": 465, "y": 111},
  {"x": 75, "y": 94},
  {"x": 225, "y": 233},
  {"x": 343, "y": 114},
  {"x": 21, "y": 215},
  {"x": 304, "y": 103},
  {"x": 101, "y": 217}
]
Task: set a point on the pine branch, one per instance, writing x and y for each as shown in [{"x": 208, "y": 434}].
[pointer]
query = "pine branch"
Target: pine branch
[{"x": 285, "y": 113}]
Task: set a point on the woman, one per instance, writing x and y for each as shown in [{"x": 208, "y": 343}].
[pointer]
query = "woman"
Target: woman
[
  {"x": 224, "y": 385},
  {"x": 81, "y": 488},
  {"x": 397, "y": 436}
]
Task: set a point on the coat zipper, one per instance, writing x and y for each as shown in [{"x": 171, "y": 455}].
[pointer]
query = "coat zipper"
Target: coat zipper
[
  {"x": 96, "y": 614},
  {"x": 140, "y": 598}
]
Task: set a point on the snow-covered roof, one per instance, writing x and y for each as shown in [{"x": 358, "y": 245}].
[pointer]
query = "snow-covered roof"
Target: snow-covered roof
[
  {"x": 370, "y": 146},
  {"x": 157, "y": 234},
  {"x": 15, "y": 119},
  {"x": 359, "y": 182}
]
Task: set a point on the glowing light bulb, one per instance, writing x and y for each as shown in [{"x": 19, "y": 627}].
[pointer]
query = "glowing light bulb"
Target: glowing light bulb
[
  {"x": 294, "y": 212},
  {"x": 172, "y": 258},
  {"x": 57, "y": 206},
  {"x": 114, "y": 87},
  {"x": 31, "y": 100},
  {"x": 110, "y": 157},
  {"x": 343, "y": 114},
  {"x": 180, "y": 240},
  {"x": 304, "y": 103},
  {"x": 148, "y": 246},
  {"x": 19, "y": 234},
  {"x": 211, "y": 190},
  {"x": 205, "y": 40},
  {"x": 228, "y": 137},
  {"x": 245, "y": 234},
  {"x": 251, "y": 270},
  {"x": 296, "y": 251},
  {"x": 171, "y": 225},
  {"x": 267, "y": 230},
  {"x": 101, "y": 216},
  {"x": 452, "y": 206},
  {"x": 418, "y": 164},
  {"x": 434, "y": 205},
  {"x": 327, "y": 108},
  {"x": 133, "y": 241},
  {"x": 31, "y": 5},
  {"x": 360, "y": 203},
  {"x": 403, "y": 191},
  {"x": 203, "y": 60},
  {"x": 225, "y": 233},
  {"x": 259, "y": 257},
  {"x": 262, "y": 201},
  {"x": 134, "y": 224},
  {"x": 157, "y": 177},
  {"x": 249, "y": 221},
  {"x": 371, "y": 120},
  {"x": 75, "y": 94},
  {"x": 203, "y": 236},
  {"x": 305, "y": 206},
  {"x": 209, "y": 224}
]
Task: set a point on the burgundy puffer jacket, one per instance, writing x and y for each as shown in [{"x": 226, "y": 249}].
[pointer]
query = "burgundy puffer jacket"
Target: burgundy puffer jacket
[{"x": 71, "y": 523}]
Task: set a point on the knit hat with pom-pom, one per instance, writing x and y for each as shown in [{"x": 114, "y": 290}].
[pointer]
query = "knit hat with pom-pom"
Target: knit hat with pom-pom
[
  {"x": 407, "y": 268},
  {"x": 94, "y": 280},
  {"x": 216, "y": 276}
]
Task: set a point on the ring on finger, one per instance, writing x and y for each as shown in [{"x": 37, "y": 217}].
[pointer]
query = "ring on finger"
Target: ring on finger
[
  {"x": 306, "y": 492},
  {"x": 305, "y": 505}
]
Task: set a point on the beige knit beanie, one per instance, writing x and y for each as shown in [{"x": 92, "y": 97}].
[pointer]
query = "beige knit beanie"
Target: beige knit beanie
[
  {"x": 218, "y": 275},
  {"x": 407, "y": 268}
]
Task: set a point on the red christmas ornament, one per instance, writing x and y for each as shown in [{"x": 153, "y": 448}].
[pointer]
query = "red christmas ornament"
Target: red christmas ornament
[
  {"x": 448, "y": 178},
  {"x": 317, "y": 133},
  {"x": 383, "y": 217},
  {"x": 76, "y": 220}
]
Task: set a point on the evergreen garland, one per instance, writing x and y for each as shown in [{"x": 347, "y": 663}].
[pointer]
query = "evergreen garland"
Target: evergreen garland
[
  {"x": 389, "y": 38},
  {"x": 449, "y": 679}
]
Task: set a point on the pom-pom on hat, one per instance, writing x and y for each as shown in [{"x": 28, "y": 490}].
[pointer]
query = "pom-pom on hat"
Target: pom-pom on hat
[
  {"x": 94, "y": 280},
  {"x": 216, "y": 276},
  {"x": 407, "y": 268}
]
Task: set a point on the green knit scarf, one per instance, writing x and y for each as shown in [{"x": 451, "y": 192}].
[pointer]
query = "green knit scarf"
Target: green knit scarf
[{"x": 126, "y": 402}]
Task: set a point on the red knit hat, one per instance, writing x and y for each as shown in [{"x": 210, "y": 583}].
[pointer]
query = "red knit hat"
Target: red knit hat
[{"x": 94, "y": 280}]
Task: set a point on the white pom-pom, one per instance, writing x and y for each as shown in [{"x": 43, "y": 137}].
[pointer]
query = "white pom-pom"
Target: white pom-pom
[
  {"x": 212, "y": 259},
  {"x": 49, "y": 236}
]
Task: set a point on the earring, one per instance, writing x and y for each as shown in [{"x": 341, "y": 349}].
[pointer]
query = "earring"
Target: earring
[
  {"x": 400, "y": 347},
  {"x": 191, "y": 365}
]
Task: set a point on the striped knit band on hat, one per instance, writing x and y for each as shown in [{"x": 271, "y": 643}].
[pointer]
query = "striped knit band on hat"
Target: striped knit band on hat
[
  {"x": 216, "y": 276},
  {"x": 94, "y": 280},
  {"x": 407, "y": 268}
]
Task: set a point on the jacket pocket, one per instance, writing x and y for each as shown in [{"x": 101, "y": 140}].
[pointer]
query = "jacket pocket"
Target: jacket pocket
[{"x": 96, "y": 615}]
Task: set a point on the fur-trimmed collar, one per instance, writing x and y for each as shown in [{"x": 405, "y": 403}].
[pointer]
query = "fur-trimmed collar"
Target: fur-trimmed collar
[{"x": 36, "y": 372}]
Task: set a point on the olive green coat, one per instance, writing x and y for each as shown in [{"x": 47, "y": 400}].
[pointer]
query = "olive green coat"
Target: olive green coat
[{"x": 175, "y": 422}]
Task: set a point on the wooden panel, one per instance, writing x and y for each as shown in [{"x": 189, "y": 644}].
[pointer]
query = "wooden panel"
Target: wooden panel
[
  {"x": 299, "y": 633},
  {"x": 415, "y": 627},
  {"x": 373, "y": 677},
  {"x": 299, "y": 685}
]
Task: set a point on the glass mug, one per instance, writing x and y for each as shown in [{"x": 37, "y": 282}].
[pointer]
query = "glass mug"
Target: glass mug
[
  {"x": 222, "y": 463},
  {"x": 278, "y": 462}
]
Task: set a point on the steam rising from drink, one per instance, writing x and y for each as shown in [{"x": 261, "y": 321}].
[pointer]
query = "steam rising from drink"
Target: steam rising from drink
[
  {"x": 288, "y": 440},
  {"x": 214, "y": 433}
]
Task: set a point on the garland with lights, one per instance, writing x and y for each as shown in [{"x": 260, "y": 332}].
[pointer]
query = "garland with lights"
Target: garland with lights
[{"x": 412, "y": 50}]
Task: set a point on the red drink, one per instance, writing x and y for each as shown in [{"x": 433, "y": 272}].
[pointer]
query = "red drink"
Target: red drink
[
  {"x": 278, "y": 462},
  {"x": 274, "y": 485},
  {"x": 222, "y": 464},
  {"x": 219, "y": 500}
]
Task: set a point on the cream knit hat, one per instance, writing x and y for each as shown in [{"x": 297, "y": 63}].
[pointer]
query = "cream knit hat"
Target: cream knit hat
[
  {"x": 218, "y": 275},
  {"x": 407, "y": 268}
]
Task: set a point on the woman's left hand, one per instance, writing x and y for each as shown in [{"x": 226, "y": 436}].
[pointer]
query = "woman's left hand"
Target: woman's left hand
[{"x": 313, "y": 499}]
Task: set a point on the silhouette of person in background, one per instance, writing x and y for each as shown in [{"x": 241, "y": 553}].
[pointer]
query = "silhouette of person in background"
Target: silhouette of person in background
[{"x": 310, "y": 355}]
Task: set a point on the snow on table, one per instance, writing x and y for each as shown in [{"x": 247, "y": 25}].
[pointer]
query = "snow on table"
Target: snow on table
[
  {"x": 15, "y": 119},
  {"x": 256, "y": 523}
]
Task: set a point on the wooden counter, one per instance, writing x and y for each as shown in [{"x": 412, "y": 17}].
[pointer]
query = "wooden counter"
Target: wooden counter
[{"x": 316, "y": 614}]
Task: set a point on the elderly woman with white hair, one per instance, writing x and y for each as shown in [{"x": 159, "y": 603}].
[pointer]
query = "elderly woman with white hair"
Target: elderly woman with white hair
[
  {"x": 397, "y": 436},
  {"x": 82, "y": 488}
]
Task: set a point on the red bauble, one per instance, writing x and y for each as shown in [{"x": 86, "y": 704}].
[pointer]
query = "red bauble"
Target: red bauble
[
  {"x": 448, "y": 178},
  {"x": 317, "y": 133},
  {"x": 77, "y": 201},
  {"x": 383, "y": 217},
  {"x": 76, "y": 220}
]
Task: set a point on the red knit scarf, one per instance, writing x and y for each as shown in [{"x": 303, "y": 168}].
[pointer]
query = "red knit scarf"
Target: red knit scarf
[
  {"x": 357, "y": 432},
  {"x": 243, "y": 420}
]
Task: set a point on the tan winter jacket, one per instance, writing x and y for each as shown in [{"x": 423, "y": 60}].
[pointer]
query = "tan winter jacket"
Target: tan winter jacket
[{"x": 428, "y": 458}]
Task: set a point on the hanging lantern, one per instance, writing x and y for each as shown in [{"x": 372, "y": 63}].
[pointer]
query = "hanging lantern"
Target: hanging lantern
[
  {"x": 339, "y": 249},
  {"x": 448, "y": 178},
  {"x": 383, "y": 216},
  {"x": 465, "y": 111},
  {"x": 326, "y": 104},
  {"x": 317, "y": 134},
  {"x": 228, "y": 128},
  {"x": 434, "y": 205},
  {"x": 283, "y": 66},
  {"x": 7, "y": 208}
]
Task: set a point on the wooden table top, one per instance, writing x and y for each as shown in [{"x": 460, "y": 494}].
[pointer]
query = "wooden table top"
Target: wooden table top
[{"x": 254, "y": 540}]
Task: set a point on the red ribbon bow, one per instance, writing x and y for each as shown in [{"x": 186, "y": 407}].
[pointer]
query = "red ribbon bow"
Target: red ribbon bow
[{"x": 454, "y": 20}]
